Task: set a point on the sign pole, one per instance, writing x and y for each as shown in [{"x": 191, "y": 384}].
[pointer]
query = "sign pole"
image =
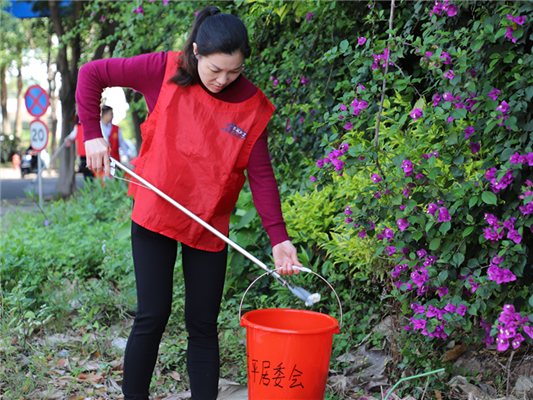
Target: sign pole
[{"x": 40, "y": 180}]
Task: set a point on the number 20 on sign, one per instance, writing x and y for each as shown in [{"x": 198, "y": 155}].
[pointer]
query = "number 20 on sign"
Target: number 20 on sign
[{"x": 38, "y": 135}]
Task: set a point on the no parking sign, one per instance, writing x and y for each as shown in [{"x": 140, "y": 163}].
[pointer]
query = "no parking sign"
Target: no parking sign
[{"x": 37, "y": 100}]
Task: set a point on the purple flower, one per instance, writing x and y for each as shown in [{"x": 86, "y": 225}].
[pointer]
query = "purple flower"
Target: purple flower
[
  {"x": 514, "y": 236},
  {"x": 529, "y": 330},
  {"x": 503, "y": 107},
  {"x": 450, "y": 119},
  {"x": 502, "y": 344},
  {"x": 375, "y": 178},
  {"x": 518, "y": 339},
  {"x": 309, "y": 16},
  {"x": 517, "y": 20},
  {"x": 469, "y": 131},
  {"x": 436, "y": 100},
  {"x": 304, "y": 81},
  {"x": 497, "y": 260},
  {"x": 475, "y": 147},
  {"x": 489, "y": 175},
  {"x": 102, "y": 18},
  {"x": 406, "y": 192},
  {"x": 313, "y": 178},
  {"x": 416, "y": 113},
  {"x": 451, "y": 9},
  {"x": 377, "y": 195},
  {"x": 407, "y": 167},
  {"x": 421, "y": 253},
  {"x": 390, "y": 250},
  {"x": 165, "y": 2},
  {"x": 443, "y": 216},
  {"x": 348, "y": 220},
  {"x": 388, "y": 233},
  {"x": 348, "y": 126},
  {"x": 360, "y": 87},
  {"x": 509, "y": 34},
  {"x": 362, "y": 234},
  {"x": 461, "y": 310},
  {"x": 46, "y": 222},
  {"x": 432, "y": 208},
  {"x": 361, "y": 40},
  {"x": 417, "y": 308},
  {"x": 343, "y": 107},
  {"x": 449, "y": 74},
  {"x": 320, "y": 163},
  {"x": 443, "y": 291},
  {"x": 494, "y": 93},
  {"x": 139, "y": 10},
  {"x": 419, "y": 323},
  {"x": 403, "y": 208},
  {"x": 448, "y": 96},
  {"x": 450, "y": 308},
  {"x": 446, "y": 57},
  {"x": 516, "y": 158},
  {"x": 402, "y": 224}
]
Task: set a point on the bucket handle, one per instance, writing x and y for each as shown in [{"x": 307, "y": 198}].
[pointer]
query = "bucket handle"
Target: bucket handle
[{"x": 304, "y": 269}]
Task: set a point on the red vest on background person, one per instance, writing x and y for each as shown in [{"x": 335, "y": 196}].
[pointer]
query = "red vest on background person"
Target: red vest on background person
[
  {"x": 113, "y": 142},
  {"x": 80, "y": 146},
  {"x": 195, "y": 149}
]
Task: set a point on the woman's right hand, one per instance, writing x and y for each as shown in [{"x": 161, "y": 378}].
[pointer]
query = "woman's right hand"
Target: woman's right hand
[{"x": 97, "y": 152}]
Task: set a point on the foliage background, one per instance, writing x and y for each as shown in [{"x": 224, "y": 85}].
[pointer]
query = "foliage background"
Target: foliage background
[{"x": 310, "y": 59}]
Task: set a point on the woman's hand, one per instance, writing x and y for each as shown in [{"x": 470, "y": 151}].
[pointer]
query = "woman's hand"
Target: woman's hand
[
  {"x": 285, "y": 256},
  {"x": 98, "y": 151}
]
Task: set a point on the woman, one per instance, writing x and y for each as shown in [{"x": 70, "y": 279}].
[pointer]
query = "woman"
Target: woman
[{"x": 207, "y": 124}]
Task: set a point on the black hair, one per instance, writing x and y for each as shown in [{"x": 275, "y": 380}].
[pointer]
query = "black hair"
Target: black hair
[
  {"x": 106, "y": 109},
  {"x": 213, "y": 32}
]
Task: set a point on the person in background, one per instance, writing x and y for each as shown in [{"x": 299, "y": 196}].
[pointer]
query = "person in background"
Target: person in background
[
  {"x": 113, "y": 134},
  {"x": 77, "y": 135},
  {"x": 16, "y": 161}
]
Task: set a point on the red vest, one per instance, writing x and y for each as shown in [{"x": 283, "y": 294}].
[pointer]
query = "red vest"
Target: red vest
[
  {"x": 195, "y": 149},
  {"x": 80, "y": 146},
  {"x": 113, "y": 142}
]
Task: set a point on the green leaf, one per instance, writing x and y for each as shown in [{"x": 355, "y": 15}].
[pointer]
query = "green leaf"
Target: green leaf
[
  {"x": 468, "y": 231},
  {"x": 458, "y": 258},
  {"x": 434, "y": 244},
  {"x": 246, "y": 218},
  {"x": 531, "y": 300},
  {"x": 472, "y": 202},
  {"x": 445, "y": 227},
  {"x": 489, "y": 198}
]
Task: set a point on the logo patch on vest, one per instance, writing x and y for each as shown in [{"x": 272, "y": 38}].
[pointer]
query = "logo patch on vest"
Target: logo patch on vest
[{"x": 234, "y": 130}]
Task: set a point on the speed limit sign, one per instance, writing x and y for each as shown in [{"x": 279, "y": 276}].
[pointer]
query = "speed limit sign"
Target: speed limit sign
[{"x": 38, "y": 135}]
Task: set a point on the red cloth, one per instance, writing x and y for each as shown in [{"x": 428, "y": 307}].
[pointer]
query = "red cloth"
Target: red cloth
[
  {"x": 145, "y": 74},
  {"x": 80, "y": 147},
  {"x": 204, "y": 145},
  {"x": 113, "y": 142}
]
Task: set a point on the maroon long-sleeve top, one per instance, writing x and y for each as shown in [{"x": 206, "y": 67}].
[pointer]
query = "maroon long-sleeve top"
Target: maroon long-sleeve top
[{"x": 145, "y": 74}]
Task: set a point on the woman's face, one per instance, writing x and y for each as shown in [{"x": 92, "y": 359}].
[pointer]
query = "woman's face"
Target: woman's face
[{"x": 218, "y": 70}]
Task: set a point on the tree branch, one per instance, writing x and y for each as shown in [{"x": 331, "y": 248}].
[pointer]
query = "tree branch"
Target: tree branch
[{"x": 383, "y": 87}]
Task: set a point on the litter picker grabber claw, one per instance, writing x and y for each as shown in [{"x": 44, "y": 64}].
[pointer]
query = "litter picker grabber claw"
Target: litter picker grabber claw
[{"x": 299, "y": 292}]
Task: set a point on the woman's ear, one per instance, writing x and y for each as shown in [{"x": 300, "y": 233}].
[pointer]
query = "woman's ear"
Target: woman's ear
[{"x": 195, "y": 49}]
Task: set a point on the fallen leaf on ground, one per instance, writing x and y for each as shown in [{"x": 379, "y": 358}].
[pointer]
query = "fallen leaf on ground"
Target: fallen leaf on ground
[
  {"x": 455, "y": 353},
  {"x": 438, "y": 394},
  {"x": 90, "y": 378},
  {"x": 175, "y": 375}
]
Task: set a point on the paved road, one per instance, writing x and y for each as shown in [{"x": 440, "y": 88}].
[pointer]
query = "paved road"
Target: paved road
[{"x": 12, "y": 186}]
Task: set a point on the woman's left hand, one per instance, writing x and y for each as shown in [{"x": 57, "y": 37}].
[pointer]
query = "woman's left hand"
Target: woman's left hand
[{"x": 285, "y": 256}]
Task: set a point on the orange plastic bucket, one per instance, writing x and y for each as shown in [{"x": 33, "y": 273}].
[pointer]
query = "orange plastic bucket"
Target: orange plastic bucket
[{"x": 288, "y": 351}]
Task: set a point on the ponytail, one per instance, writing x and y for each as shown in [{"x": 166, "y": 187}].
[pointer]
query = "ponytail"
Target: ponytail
[{"x": 213, "y": 32}]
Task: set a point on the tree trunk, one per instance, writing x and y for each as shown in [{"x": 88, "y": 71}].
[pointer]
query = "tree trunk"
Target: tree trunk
[
  {"x": 6, "y": 125},
  {"x": 20, "y": 96},
  {"x": 51, "y": 77},
  {"x": 137, "y": 117},
  {"x": 69, "y": 79}
]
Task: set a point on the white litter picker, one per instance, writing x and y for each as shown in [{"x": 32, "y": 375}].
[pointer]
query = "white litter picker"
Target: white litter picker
[{"x": 301, "y": 293}]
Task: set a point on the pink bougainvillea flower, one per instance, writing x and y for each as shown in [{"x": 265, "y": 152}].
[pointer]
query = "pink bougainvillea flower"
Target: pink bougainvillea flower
[
  {"x": 417, "y": 308},
  {"x": 165, "y": 2},
  {"x": 446, "y": 57},
  {"x": 421, "y": 253},
  {"x": 407, "y": 167},
  {"x": 102, "y": 18},
  {"x": 406, "y": 192},
  {"x": 514, "y": 236},
  {"x": 360, "y": 87},
  {"x": 313, "y": 178},
  {"x": 529, "y": 330},
  {"x": 448, "y": 96},
  {"x": 375, "y": 178},
  {"x": 450, "y": 119},
  {"x": 509, "y": 34},
  {"x": 139, "y": 10},
  {"x": 348, "y": 126},
  {"x": 517, "y": 341},
  {"x": 309, "y": 16},
  {"x": 416, "y": 113},
  {"x": 443, "y": 291},
  {"x": 343, "y": 107},
  {"x": 436, "y": 100},
  {"x": 451, "y": 9},
  {"x": 348, "y": 210},
  {"x": 502, "y": 344},
  {"x": 390, "y": 250},
  {"x": 449, "y": 74},
  {"x": 475, "y": 147},
  {"x": 503, "y": 107},
  {"x": 362, "y": 234},
  {"x": 450, "y": 308},
  {"x": 432, "y": 208},
  {"x": 305, "y": 81},
  {"x": 320, "y": 163},
  {"x": 443, "y": 216},
  {"x": 388, "y": 233},
  {"x": 517, "y": 20},
  {"x": 348, "y": 220},
  {"x": 461, "y": 310},
  {"x": 437, "y": 9},
  {"x": 469, "y": 131},
  {"x": 494, "y": 93},
  {"x": 361, "y": 40},
  {"x": 403, "y": 224},
  {"x": 404, "y": 207},
  {"x": 497, "y": 260},
  {"x": 377, "y": 195}
]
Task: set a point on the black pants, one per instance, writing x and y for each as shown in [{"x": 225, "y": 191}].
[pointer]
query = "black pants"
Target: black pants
[{"x": 154, "y": 256}]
